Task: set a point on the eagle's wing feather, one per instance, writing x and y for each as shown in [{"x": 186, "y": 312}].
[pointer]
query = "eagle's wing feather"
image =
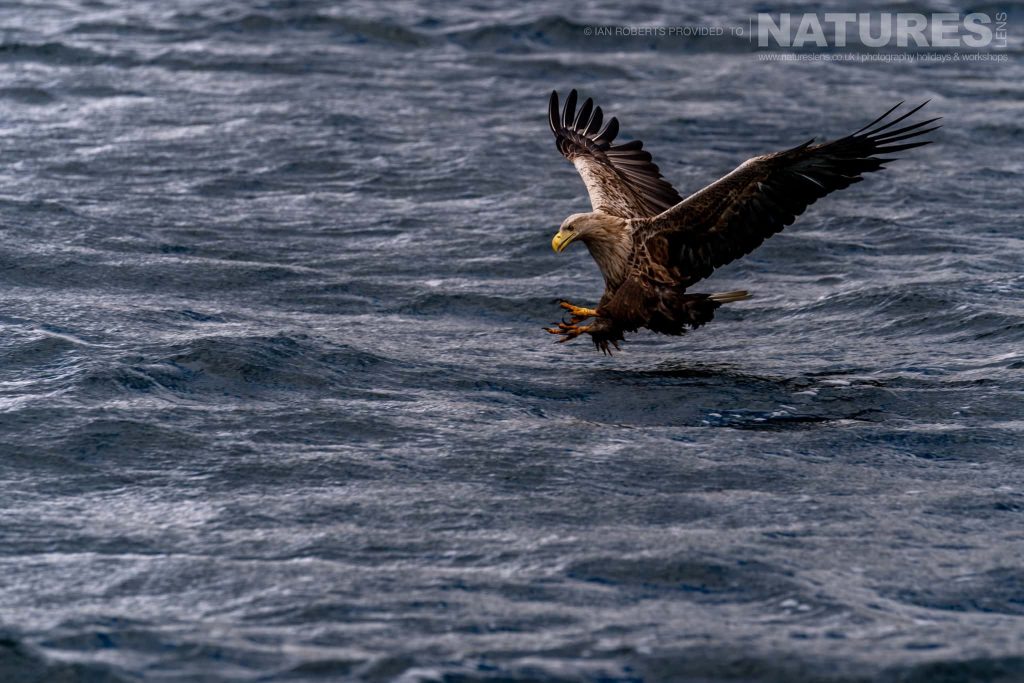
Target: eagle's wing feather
[
  {"x": 621, "y": 180},
  {"x": 734, "y": 215}
]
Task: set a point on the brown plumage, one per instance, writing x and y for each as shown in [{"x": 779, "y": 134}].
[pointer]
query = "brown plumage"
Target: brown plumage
[{"x": 651, "y": 244}]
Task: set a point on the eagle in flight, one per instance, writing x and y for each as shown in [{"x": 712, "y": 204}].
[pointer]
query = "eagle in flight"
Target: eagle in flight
[{"x": 652, "y": 245}]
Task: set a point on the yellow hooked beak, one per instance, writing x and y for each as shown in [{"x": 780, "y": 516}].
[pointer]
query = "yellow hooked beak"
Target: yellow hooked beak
[{"x": 562, "y": 239}]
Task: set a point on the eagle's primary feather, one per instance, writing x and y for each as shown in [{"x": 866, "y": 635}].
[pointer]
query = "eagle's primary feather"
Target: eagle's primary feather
[
  {"x": 651, "y": 244},
  {"x": 622, "y": 180}
]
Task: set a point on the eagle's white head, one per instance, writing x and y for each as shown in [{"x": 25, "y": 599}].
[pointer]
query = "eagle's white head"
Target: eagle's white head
[
  {"x": 606, "y": 236},
  {"x": 592, "y": 227}
]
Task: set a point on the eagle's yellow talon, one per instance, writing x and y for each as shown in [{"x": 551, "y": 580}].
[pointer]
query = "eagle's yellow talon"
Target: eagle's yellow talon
[
  {"x": 568, "y": 332},
  {"x": 578, "y": 312}
]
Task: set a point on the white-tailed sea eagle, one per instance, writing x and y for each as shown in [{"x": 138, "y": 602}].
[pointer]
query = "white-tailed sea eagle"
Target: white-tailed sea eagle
[{"x": 651, "y": 244}]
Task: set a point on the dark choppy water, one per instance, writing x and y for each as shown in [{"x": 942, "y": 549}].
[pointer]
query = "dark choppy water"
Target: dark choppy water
[{"x": 276, "y": 404}]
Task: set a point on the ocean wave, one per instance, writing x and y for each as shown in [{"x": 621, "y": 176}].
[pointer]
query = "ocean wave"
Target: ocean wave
[
  {"x": 236, "y": 366},
  {"x": 28, "y": 95},
  {"x": 21, "y": 662},
  {"x": 995, "y": 669},
  {"x": 351, "y": 29},
  {"x": 736, "y": 581},
  {"x": 995, "y": 591},
  {"x": 61, "y": 54}
]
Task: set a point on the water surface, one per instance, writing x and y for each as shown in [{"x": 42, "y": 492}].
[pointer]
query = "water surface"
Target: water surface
[{"x": 276, "y": 404}]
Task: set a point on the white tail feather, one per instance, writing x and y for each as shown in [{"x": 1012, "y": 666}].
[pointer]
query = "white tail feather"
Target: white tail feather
[{"x": 729, "y": 297}]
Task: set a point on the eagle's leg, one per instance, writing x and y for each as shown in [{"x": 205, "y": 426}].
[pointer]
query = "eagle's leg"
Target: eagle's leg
[
  {"x": 569, "y": 331},
  {"x": 579, "y": 314},
  {"x": 603, "y": 331}
]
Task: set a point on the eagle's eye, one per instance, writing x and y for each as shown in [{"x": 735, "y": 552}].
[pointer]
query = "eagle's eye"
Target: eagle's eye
[{"x": 571, "y": 228}]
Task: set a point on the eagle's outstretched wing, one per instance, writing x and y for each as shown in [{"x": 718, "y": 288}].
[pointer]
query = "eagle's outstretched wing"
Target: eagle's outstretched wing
[
  {"x": 621, "y": 179},
  {"x": 734, "y": 215}
]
